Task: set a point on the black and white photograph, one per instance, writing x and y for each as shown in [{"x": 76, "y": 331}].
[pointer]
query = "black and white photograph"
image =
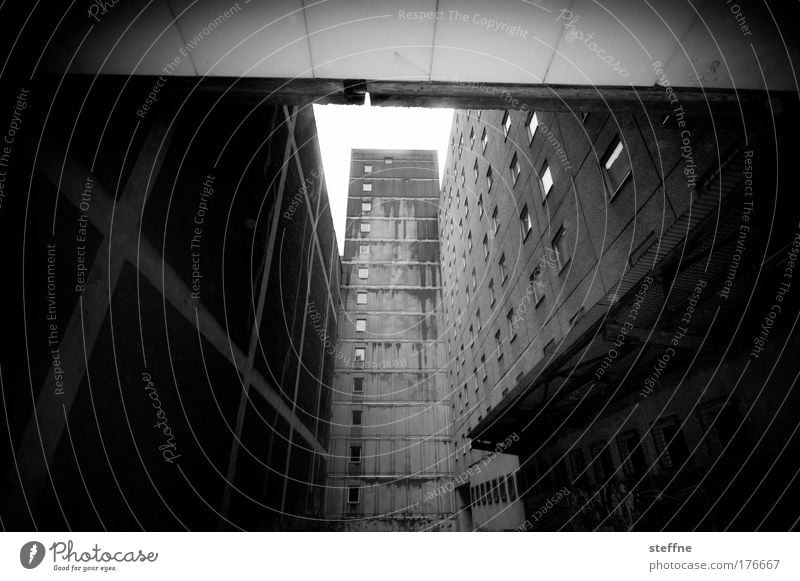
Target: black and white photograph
[{"x": 285, "y": 271}]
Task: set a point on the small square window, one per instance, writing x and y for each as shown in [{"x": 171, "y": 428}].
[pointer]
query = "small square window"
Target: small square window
[
  {"x": 356, "y": 417},
  {"x": 547, "y": 180},
  {"x": 361, "y": 325},
  {"x": 560, "y": 247},
  {"x": 531, "y": 125},
  {"x": 367, "y": 168},
  {"x": 358, "y": 385},
  {"x": 506, "y": 123},
  {"x": 360, "y": 354},
  {"x": 361, "y": 299},
  {"x": 515, "y": 169},
  {"x": 525, "y": 222},
  {"x": 366, "y": 207},
  {"x": 363, "y": 249},
  {"x": 366, "y": 187},
  {"x": 363, "y": 273},
  {"x": 616, "y": 166},
  {"x": 387, "y": 160},
  {"x": 355, "y": 454},
  {"x": 353, "y": 495},
  {"x": 366, "y": 227}
]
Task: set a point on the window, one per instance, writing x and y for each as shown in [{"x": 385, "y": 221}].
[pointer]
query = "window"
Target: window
[
  {"x": 466, "y": 207},
  {"x": 367, "y": 168},
  {"x": 496, "y": 490},
  {"x": 366, "y": 187},
  {"x": 616, "y": 166},
  {"x": 631, "y": 454},
  {"x": 356, "y": 417},
  {"x": 480, "y": 206},
  {"x": 478, "y": 318},
  {"x": 361, "y": 325},
  {"x": 484, "y": 140},
  {"x": 498, "y": 343},
  {"x": 483, "y": 368},
  {"x": 475, "y": 171},
  {"x": 363, "y": 249},
  {"x": 510, "y": 323},
  {"x": 531, "y": 125},
  {"x": 474, "y": 280},
  {"x": 463, "y": 178},
  {"x": 355, "y": 454},
  {"x": 353, "y": 494},
  {"x": 560, "y": 248},
  {"x": 460, "y": 144},
  {"x": 506, "y": 123},
  {"x": 460, "y": 228},
  {"x": 489, "y": 179},
  {"x": 502, "y": 264},
  {"x": 366, "y": 207},
  {"x": 358, "y": 385},
  {"x": 492, "y": 297},
  {"x": 360, "y": 354},
  {"x": 501, "y": 484},
  {"x": 366, "y": 227},
  {"x": 547, "y": 180},
  {"x": 535, "y": 285},
  {"x": 363, "y": 273},
  {"x": 495, "y": 223},
  {"x": 469, "y": 242},
  {"x": 525, "y": 222},
  {"x": 515, "y": 170},
  {"x": 472, "y": 138},
  {"x": 601, "y": 459},
  {"x": 361, "y": 299},
  {"x": 387, "y": 160},
  {"x": 512, "y": 487},
  {"x": 577, "y": 464},
  {"x": 670, "y": 443},
  {"x": 485, "y": 246}
]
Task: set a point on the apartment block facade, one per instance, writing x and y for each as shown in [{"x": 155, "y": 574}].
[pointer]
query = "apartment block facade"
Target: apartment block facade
[
  {"x": 390, "y": 439},
  {"x": 586, "y": 266}
]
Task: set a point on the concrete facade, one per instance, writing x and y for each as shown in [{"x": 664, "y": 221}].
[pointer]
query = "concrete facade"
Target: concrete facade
[
  {"x": 390, "y": 435},
  {"x": 584, "y": 259},
  {"x": 194, "y": 283}
]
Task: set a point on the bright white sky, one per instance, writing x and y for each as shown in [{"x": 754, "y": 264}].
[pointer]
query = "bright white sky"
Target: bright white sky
[{"x": 344, "y": 127}]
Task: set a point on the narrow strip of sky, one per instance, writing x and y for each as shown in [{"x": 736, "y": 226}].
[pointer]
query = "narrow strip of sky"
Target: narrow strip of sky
[{"x": 345, "y": 127}]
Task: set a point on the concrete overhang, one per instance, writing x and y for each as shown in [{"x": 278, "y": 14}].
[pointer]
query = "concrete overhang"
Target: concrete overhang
[{"x": 617, "y": 43}]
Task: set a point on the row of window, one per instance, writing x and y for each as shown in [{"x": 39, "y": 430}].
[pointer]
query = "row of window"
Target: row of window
[
  {"x": 495, "y": 491},
  {"x": 368, "y": 166},
  {"x": 721, "y": 422}
]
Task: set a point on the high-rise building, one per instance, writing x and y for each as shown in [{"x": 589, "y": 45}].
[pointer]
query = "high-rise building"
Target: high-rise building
[
  {"x": 390, "y": 438},
  {"x": 192, "y": 271},
  {"x": 595, "y": 267}
]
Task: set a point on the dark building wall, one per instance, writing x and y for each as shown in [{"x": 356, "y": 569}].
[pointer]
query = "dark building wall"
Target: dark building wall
[
  {"x": 403, "y": 436},
  {"x": 569, "y": 281},
  {"x": 154, "y": 344}
]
